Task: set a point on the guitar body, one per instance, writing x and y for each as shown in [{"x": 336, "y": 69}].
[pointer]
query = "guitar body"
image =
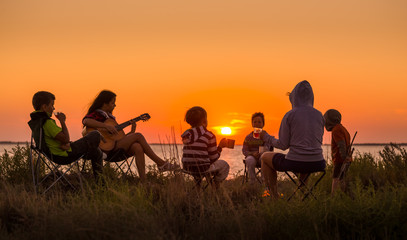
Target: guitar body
[{"x": 111, "y": 139}]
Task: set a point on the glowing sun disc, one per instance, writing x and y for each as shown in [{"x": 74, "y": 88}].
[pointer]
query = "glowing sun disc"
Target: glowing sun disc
[{"x": 226, "y": 130}]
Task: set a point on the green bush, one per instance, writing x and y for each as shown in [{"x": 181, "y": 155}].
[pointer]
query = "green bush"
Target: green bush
[
  {"x": 394, "y": 162},
  {"x": 15, "y": 167}
]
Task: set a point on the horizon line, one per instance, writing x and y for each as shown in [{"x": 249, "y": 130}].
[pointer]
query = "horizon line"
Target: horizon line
[{"x": 367, "y": 143}]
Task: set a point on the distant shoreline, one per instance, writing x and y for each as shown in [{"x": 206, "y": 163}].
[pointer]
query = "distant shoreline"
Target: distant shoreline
[
  {"x": 377, "y": 144},
  {"x": 355, "y": 144},
  {"x": 12, "y": 142}
]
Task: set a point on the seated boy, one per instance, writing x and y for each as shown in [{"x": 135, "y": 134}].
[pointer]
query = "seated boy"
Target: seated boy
[
  {"x": 340, "y": 145},
  {"x": 200, "y": 153},
  {"x": 252, "y": 145},
  {"x": 60, "y": 149}
]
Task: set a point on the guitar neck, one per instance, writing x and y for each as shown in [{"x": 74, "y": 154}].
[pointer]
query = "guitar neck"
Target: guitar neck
[{"x": 125, "y": 124}]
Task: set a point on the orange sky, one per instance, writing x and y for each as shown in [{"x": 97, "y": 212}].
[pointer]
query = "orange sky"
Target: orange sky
[{"x": 231, "y": 57}]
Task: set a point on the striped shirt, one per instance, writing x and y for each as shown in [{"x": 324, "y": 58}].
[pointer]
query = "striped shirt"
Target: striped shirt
[{"x": 200, "y": 149}]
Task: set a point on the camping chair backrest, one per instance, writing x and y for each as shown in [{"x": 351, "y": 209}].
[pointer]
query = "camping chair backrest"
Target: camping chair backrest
[{"x": 37, "y": 134}]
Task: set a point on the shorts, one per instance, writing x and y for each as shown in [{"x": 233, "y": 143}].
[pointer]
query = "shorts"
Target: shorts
[{"x": 281, "y": 164}]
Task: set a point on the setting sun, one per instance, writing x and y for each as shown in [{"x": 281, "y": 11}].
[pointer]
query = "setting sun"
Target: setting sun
[{"x": 226, "y": 131}]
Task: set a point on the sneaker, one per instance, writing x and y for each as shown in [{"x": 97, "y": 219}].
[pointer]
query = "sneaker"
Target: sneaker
[
  {"x": 266, "y": 194},
  {"x": 167, "y": 166}
]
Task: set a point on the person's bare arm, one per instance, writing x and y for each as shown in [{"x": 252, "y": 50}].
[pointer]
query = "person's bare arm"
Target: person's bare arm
[
  {"x": 89, "y": 122},
  {"x": 133, "y": 126},
  {"x": 62, "y": 136}
]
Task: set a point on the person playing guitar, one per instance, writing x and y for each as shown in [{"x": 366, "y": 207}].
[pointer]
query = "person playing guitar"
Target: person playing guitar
[{"x": 100, "y": 117}]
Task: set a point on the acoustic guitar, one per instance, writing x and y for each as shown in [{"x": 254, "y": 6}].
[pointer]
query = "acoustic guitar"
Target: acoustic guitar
[{"x": 112, "y": 138}]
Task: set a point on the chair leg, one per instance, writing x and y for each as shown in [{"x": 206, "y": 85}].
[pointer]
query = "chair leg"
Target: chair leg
[
  {"x": 129, "y": 167},
  {"x": 198, "y": 181},
  {"x": 119, "y": 166},
  {"x": 129, "y": 164},
  {"x": 209, "y": 180},
  {"x": 257, "y": 176},
  {"x": 301, "y": 185},
  {"x": 37, "y": 170},
  {"x": 61, "y": 177},
  {"x": 296, "y": 184},
  {"x": 55, "y": 171},
  {"x": 244, "y": 175},
  {"x": 313, "y": 186},
  {"x": 199, "y": 178},
  {"x": 79, "y": 175},
  {"x": 32, "y": 169}
]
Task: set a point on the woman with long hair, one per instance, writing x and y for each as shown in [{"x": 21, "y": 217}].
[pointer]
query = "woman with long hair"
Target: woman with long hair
[{"x": 133, "y": 143}]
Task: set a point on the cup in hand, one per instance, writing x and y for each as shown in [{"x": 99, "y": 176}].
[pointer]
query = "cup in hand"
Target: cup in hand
[
  {"x": 57, "y": 112},
  {"x": 256, "y": 133},
  {"x": 230, "y": 143}
]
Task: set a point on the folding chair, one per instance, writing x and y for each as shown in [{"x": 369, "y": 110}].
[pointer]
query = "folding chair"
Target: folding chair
[
  {"x": 302, "y": 185},
  {"x": 257, "y": 171},
  {"x": 49, "y": 169},
  {"x": 199, "y": 176},
  {"x": 121, "y": 160}
]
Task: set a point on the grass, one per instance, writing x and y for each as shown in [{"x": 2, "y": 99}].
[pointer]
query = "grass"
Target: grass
[{"x": 168, "y": 207}]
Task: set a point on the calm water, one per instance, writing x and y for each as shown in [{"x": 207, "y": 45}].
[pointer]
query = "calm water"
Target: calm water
[{"x": 232, "y": 156}]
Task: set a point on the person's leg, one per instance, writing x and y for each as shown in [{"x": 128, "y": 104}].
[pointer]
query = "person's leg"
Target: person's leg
[
  {"x": 335, "y": 177},
  {"x": 269, "y": 173},
  {"x": 251, "y": 168},
  {"x": 220, "y": 168},
  {"x": 138, "y": 153},
  {"x": 132, "y": 138},
  {"x": 89, "y": 145},
  {"x": 335, "y": 185}
]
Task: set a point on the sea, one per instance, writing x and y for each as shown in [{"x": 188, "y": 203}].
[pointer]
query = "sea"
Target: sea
[{"x": 233, "y": 156}]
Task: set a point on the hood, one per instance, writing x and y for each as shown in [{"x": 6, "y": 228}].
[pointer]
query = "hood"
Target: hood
[
  {"x": 332, "y": 118},
  {"x": 191, "y": 135},
  {"x": 38, "y": 119},
  {"x": 302, "y": 95},
  {"x": 39, "y": 115}
]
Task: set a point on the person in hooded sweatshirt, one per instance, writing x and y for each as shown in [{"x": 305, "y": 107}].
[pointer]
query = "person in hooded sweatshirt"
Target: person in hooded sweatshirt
[
  {"x": 340, "y": 145},
  {"x": 301, "y": 131},
  {"x": 200, "y": 153}
]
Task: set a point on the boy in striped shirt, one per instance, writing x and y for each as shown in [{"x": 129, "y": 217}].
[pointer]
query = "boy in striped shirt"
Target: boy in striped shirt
[{"x": 200, "y": 153}]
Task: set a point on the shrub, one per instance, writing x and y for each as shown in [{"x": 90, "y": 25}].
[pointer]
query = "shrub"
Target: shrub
[{"x": 15, "y": 167}]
